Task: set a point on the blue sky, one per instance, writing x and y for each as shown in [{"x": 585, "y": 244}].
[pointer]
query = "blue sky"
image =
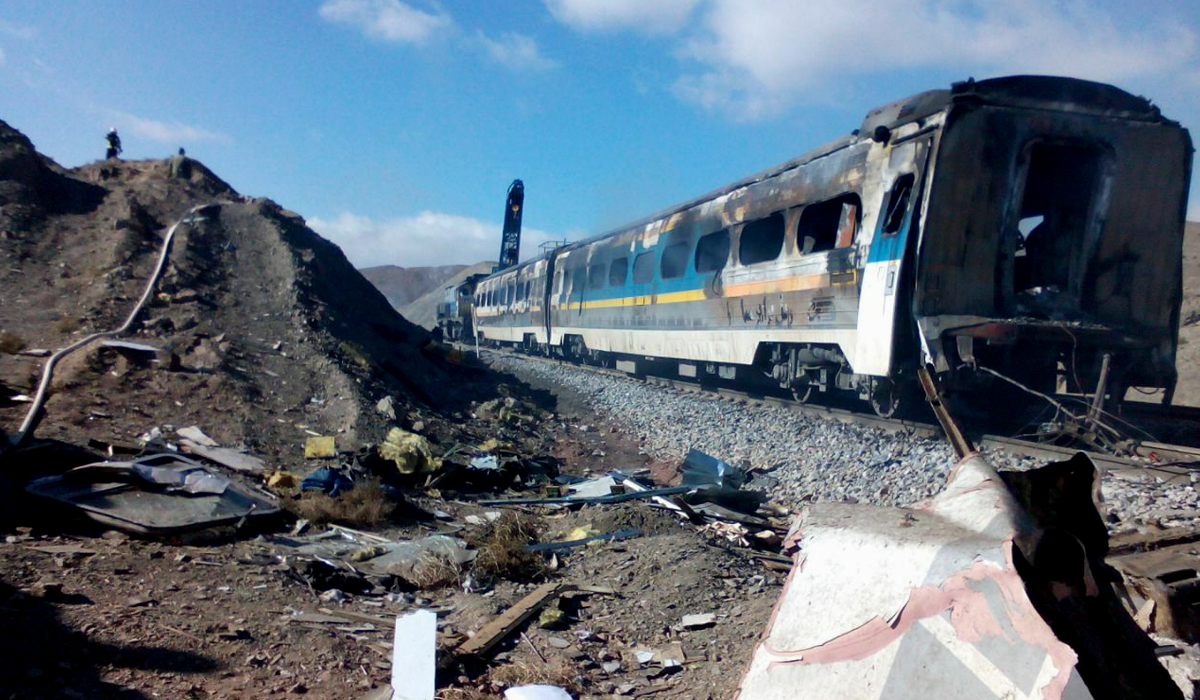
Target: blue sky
[{"x": 395, "y": 127}]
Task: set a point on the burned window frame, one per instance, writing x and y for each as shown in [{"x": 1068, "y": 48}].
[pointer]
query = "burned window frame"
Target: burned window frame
[
  {"x": 892, "y": 216},
  {"x": 597, "y": 275},
  {"x": 705, "y": 242},
  {"x": 618, "y": 280},
  {"x": 650, "y": 259},
  {"x": 779, "y": 229},
  {"x": 814, "y": 209},
  {"x": 677, "y": 255}
]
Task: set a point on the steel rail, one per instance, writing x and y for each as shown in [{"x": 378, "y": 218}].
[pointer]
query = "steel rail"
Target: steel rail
[{"x": 1150, "y": 454}]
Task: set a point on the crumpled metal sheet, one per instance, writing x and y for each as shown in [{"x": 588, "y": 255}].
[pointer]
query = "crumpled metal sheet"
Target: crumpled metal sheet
[{"x": 907, "y": 604}]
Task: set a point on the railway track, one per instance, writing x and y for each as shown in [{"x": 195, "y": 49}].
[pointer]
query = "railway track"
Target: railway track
[{"x": 1172, "y": 460}]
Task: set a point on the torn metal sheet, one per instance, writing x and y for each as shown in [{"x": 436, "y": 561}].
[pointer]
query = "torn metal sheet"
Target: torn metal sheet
[
  {"x": 158, "y": 494},
  {"x": 967, "y": 596},
  {"x": 700, "y": 469}
]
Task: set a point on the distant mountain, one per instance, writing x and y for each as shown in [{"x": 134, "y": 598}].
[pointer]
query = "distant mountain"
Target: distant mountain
[
  {"x": 403, "y": 285},
  {"x": 423, "y": 311}
]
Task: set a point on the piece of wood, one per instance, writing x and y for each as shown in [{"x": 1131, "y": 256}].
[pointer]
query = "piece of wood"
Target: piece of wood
[
  {"x": 356, "y": 616},
  {"x": 495, "y": 631}
]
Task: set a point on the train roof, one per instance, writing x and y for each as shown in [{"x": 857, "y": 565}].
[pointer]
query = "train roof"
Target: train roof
[{"x": 1028, "y": 91}]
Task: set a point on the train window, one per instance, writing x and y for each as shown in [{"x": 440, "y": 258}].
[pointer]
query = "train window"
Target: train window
[
  {"x": 897, "y": 204},
  {"x": 510, "y": 293},
  {"x": 712, "y": 251},
  {"x": 523, "y": 290},
  {"x": 596, "y": 276},
  {"x": 829, "y": 224},
  {"x": 578, "y": 279},
  {"x": 762, "y": 240},
  {"x": 643, "y": 267},
  {"x": 558, "y": 282},
  {"x": 617, "y": 271},
  {"x": 674, "y": 259}
]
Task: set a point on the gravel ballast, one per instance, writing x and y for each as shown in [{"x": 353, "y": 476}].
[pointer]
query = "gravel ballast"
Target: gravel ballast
[{"x": 804, "y": 458}]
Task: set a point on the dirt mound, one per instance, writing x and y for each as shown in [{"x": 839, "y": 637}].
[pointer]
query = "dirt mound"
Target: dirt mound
[
  {"x": 402, "y": 285},
  {"x": 423, "y": 310},
  {"x": 266, "y": 332}
]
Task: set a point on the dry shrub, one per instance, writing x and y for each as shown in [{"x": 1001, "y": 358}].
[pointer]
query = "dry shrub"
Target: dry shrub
[
  {"x": 502, "y": 551},
  {"x": 463, "y": 694},
  {"x": 10, "y": 343},
  {"x": 68, "y": 324},
  {"x": 365, "y": 505},
  {"x": 433, "y": 570}
]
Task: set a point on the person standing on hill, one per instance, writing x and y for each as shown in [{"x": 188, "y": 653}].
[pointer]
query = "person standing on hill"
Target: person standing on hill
[{"x": 114, "y": 144}]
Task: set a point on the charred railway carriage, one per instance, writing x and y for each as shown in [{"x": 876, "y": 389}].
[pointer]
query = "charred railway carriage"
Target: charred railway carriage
[{"x": 1027, "y": 226}]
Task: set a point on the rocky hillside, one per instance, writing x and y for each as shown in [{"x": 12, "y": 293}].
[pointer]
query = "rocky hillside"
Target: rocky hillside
[
  {"x": 423, "y": 310},
  {"x": 266, "y": 332},
  {"x": 403, "y": 285}
]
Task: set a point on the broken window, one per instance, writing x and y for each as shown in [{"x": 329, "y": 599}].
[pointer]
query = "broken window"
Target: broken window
[
  {"x": 596, "y": 275},
  {"x": 829, "y": 224},
  {"x": 712, "y": 251},
  {"x": 674, "y": 260},
  {"x": 617, "y": 271},
  {"x": 578, "y": 280},
  {"x": 897, "y": 204},
  {"x": 1061, "y": 182},
  {"x": 762, "y": 240},
  {"x": 558, "y": 282},
  {"x": 643, "y": 267}
]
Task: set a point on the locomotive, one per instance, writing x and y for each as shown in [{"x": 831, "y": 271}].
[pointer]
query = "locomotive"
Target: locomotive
[{"x": 1019, "y": 234}]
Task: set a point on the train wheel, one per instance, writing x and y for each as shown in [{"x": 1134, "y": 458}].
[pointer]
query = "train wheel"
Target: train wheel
[{"x": 885, "y": 396}]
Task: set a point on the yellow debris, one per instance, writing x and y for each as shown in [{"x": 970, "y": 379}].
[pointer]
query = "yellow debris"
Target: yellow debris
[
  {"x": 322, "y": 447},
  {"x": 409, "y": 451},
  {"x": 283, "y": 481}
]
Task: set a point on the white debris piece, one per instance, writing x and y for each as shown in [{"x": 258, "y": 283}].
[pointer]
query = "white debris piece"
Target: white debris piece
[{"x": 414, "y": 661}]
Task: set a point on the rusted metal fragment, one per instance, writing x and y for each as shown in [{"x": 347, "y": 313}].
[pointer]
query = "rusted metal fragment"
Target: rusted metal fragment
[{"x": 951, "y": 599}]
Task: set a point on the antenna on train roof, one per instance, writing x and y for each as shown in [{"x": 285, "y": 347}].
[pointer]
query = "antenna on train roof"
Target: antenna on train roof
[{"x": 510, "y": 241}]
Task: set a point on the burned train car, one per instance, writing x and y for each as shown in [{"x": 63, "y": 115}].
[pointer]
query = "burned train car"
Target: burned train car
[{"x": 1022, "y": 230}]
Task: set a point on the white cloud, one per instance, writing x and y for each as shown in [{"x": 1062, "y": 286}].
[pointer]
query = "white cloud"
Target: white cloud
[
  {"x": 654, "y": 16},
  {"x": 172, "y": 133},
  {"x": 759, "y": 55},
  {"x": 516, "y": 51},
  {"x": 389, "y": 20},
  {"x": 429, "y": 238},
  {"x": 20, "y": 31}
]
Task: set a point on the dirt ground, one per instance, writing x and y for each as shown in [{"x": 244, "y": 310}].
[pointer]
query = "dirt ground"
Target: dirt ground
[{"x": 97, "y": 614}]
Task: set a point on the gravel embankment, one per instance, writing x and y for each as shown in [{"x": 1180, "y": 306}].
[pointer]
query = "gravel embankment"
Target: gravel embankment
[{"x": 812, "y": 458}]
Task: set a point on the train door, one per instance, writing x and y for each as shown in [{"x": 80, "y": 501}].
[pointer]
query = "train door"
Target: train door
[{"x": 884, "y": 324}]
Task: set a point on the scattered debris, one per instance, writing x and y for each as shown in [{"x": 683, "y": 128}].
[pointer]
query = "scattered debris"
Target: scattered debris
[
  {"x": 536, "y": 692},
  {"x": 698, "y": 621},
  {"x": 156, "y": 495},
  {"x": 568, "y": 544},
  {"x": 197, "y": 436}
]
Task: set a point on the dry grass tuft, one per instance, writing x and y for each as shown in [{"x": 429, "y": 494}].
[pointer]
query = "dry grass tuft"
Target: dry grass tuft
[
  {"x": 434, "y": 571},
  {"x": 502, "y": 551},
  {"x": 366, "y": 505},
  {"x": 555, "y": 671}
]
